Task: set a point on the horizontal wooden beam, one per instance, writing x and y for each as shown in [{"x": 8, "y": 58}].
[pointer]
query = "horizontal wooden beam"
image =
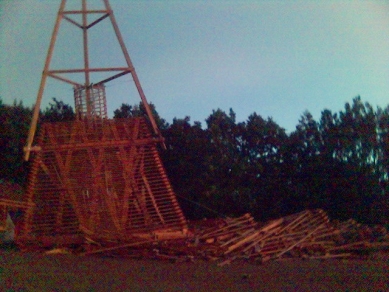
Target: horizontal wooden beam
[{"x": 99, "y": 144}]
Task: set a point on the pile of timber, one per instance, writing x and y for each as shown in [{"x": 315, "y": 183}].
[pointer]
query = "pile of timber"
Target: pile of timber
[{"x": 308, "y": 234}]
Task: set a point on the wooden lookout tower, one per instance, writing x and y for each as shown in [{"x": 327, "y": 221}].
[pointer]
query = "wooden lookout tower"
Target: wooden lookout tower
[{"x": 95, "y": 177}]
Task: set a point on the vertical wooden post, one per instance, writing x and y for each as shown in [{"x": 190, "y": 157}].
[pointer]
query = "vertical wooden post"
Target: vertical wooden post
[
  {"x": 89, "y": 107},
  {"x": 37, "y": 106},
  {"x": 133, "y": 72}
]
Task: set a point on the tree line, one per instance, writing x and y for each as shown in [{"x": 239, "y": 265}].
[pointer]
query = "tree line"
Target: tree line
[{"x": 339, "y": 163}]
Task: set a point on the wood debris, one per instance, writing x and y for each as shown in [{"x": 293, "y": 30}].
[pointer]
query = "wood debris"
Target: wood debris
[{"x": 307, "y": 235}]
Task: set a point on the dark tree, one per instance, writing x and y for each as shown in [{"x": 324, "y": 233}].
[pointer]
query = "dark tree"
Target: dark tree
[
  {"x": 339, "y": 163},
  {"x": 186, "y": 162},
  {"x": 57, "y": 111},
  {"x": 128, "y": 111},
  {"x": 264, "y": 155},
  {"x": 14, "y": 125},
  {"x": 226, "y": 164}
]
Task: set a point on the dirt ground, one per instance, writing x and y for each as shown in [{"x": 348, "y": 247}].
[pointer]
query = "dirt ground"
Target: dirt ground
[{"x": 40, "y": 272}]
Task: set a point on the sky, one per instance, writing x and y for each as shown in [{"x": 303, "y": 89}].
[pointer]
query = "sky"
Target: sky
[{"x": 275, "y": 58}]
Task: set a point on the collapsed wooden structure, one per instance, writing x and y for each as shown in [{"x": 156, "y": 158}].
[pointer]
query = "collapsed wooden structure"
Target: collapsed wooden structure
[
  {"x": 102, "y": 179},
  {"x": 100, "y": 184},
  {"x": 308, "y": 235},
  {"x": 94, "y": 178}
]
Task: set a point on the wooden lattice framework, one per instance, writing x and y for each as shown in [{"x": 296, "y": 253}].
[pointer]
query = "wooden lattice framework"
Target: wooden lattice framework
[
  {"x": 96, "y": 178},
  {"x": 102, "y": 179},
  {"x": 89, "y": 93},
  {"x": 95, "y": 104}
]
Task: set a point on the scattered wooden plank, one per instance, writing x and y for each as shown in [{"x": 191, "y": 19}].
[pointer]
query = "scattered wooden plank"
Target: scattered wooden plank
[
  {"x": 307, "y": 234},
  {"x": 116, "y": 247},
  {"x": 243, "y": 241}
]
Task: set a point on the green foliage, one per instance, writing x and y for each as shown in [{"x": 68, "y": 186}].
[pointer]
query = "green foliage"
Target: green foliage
[
  {"x": 14, "y": 125},
  {"x": 185, "y": 160},
  {"x": 264, "y": 151},
  {"x": 57, "y": 111},
  {"x": 128, "y": 111},
  {"x": 339, "y": 163}
]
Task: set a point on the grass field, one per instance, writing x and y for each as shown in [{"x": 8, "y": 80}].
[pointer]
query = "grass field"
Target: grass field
[{"x": 39, "y": 272}]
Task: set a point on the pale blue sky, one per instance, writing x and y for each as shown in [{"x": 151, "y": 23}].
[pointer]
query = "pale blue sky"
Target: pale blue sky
[{"x": 277, "y": 58}]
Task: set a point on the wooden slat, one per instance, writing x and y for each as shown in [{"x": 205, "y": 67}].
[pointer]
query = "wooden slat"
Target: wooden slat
[{"x": 110, "y": 176}]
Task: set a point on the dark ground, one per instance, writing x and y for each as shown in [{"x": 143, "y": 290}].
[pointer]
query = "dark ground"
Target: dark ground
[{"x": 40, "y": 272}]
